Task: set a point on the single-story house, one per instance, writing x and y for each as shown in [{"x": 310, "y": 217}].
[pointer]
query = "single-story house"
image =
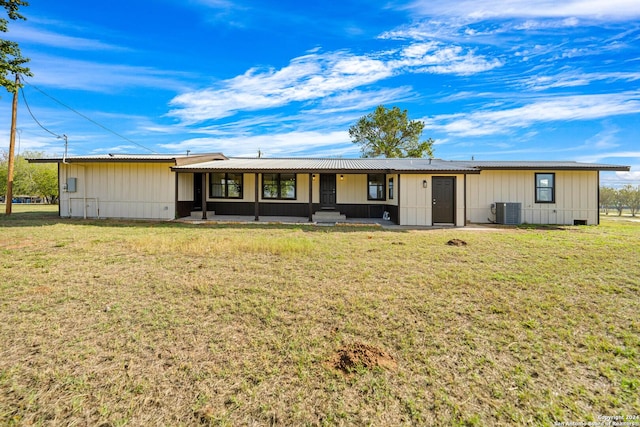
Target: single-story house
[{"x": 414, "y": 192}]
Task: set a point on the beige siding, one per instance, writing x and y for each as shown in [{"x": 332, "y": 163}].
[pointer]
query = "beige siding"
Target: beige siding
[
  {"x": 575, "y": 198},
  {"x": 119, "y": 190},
  {"x": 416, "y": 201},
  {"x": 185, "y": 187},
  {"x": 354, "y": 189}
]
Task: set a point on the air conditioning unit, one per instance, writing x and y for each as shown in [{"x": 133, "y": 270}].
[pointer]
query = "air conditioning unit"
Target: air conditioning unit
[{"x": 508, "y": 213}]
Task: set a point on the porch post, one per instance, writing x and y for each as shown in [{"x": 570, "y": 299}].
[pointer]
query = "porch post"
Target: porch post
[
  {"x": 204, "y": 196},
  {"x": 257, "y": 199},
  {"x": 310, "y": 197},
  {"x": 464, "y": 224}
]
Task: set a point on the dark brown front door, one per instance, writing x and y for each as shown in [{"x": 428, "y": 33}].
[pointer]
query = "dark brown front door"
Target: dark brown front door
[
  {"x": 444, "y": 188},
  {"x": 197, "y": 191},
  {"x": 327, "y": 191}
]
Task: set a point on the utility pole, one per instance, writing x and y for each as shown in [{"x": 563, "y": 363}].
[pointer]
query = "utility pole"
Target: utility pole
[{"x": 12, "y": 146}]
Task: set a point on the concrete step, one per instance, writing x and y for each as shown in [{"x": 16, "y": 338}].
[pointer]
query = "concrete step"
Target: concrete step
[
  {"x": 198, "y": 214},
  {"x": 328, "y": 216}
]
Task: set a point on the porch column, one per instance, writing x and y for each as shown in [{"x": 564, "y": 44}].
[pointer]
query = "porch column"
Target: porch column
[
  {"x": 204, "y": 196},
  {"x": 310, "y": 197},
  {"x": 257, "y": 199}
]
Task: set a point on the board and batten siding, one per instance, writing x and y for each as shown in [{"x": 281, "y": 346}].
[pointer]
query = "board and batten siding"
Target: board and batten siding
[
  {"x": 118, "y": 190},
  {"x": 576, "y": 196},
  {"x": 354, "y": 189},
  {"x": 416, "y": 206}
]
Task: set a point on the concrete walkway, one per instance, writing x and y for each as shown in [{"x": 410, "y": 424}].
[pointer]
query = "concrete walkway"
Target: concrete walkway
[{"x": 291, "y": 220}]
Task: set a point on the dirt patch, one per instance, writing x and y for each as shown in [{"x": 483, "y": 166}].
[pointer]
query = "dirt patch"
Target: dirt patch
[
  {"x": 357, "y": 356},
  {"x": 456, "y": 242}
]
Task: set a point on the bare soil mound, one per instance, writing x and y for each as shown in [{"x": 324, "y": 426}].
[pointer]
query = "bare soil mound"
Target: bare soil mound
[
  {"x": 456, "y": 242},
  {"x": 354, "y": 356}
]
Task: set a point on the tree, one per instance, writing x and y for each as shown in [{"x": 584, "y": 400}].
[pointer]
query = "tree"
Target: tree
[
  {"x": 389, "y": 133},
  {"x": 607, "y": 198},
  {"x": 630, "y": 197},
  {"x": 11, "y": 59},
  {"x": 32, "y": 179}
]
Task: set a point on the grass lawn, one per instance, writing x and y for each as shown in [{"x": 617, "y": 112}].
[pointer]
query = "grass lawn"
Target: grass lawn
[{"x": 136, "y": 323}]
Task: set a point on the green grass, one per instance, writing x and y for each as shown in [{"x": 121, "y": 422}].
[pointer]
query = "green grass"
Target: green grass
[{"x": 139, "y": 323}]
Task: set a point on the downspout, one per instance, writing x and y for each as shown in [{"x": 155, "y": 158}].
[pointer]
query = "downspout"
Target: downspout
[
  {"x": 84, "y": 190},
  {"x": 59, "y": 195},
  {"x": 598, "y": 198},
  {"x": 175, "y": 209}
]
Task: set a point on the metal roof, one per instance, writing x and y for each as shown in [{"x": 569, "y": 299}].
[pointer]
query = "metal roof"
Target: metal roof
[
  {"x": 217, "y": 161},
  {"x": 329, "y": 165},
  {"x": 133, "y": 158},
  {"x": 542, "y": 165}
]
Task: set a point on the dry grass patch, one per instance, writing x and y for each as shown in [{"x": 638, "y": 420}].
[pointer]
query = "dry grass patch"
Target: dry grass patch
[{"x": 120, "y": 323}]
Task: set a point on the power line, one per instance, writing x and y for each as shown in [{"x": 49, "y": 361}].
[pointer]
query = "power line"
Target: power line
[
  {"x": 24, "y": 98},
  {"x": 84, "y": 117}
]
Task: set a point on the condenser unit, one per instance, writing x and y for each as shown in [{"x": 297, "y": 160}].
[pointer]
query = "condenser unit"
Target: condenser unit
[{"x": 508, "y": 213}]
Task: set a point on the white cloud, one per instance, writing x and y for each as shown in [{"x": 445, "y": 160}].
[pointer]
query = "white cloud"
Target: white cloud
[
  {"x": 100, "y": 77},
  {"x": 574, "y": 79},
  {"x": 316, "y": 75},
  {"x": 625, "y": 156},
  {"x": 26, "y": 34},
  {"x": 274, "y": 145},
  {"x": 481, "y": 10},
  {"x": 579, "y": 107}
]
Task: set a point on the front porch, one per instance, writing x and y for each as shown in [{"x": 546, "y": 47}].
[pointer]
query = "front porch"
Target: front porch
[{"x": 196, "y": 217}]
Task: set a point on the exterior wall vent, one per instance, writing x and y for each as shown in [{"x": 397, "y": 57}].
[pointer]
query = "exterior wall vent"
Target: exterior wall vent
[{"x": 508, "y": 213}]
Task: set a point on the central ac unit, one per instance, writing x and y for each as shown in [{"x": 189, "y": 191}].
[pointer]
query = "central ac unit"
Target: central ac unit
[{"x": 508, "y": 213}]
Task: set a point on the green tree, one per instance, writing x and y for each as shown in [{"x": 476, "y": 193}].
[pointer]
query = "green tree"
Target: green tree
[
  {"x": 630, "y": 197},
  {"x": 390, "y": 133},
  {"x": 11, "y": 59},
  {"x": 607, "y": 198},
  {"x": 31, "y": 179}
]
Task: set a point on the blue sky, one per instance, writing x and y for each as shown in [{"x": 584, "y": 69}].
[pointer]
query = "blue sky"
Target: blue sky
[{"x": 492, "y": 80}]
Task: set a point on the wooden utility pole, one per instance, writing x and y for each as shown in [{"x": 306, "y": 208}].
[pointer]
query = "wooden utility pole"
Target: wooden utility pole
[{"x": 12, "y": 146}]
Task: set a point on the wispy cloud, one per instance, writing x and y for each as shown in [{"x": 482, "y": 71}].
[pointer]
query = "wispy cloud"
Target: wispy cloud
[
  {"x": 575, "y": 78},
  {"x": 297, "y": 143},
  {"x": 475, "y": 10},
  {"x": 318, "y": 75},
  {"x": 28, "y": 34},
  {"x": 101, "y": 77},
  {"x": 563, "y": 108}
]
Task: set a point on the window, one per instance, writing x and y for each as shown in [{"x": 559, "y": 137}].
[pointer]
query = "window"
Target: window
[
  {"x": 376, "y": 186},
  {"x": 545, "y": 188},
  {"x": 390, "y": 188},
  {"x": 279, "y": 186},
  {"x": 225, "y": 185}
]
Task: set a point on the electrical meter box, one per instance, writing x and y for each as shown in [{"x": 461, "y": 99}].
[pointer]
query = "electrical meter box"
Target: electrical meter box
[{"x": 72, "y": 185}]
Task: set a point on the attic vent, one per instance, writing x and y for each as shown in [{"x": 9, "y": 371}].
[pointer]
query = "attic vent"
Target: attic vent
[{"x": 508, "y": 213}]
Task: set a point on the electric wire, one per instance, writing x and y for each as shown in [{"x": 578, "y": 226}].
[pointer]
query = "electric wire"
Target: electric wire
[
  {"x": 24, "y": 98},
  {"x": 84, "y": 117}
]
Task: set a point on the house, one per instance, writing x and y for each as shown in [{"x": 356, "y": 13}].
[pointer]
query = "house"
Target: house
[{"x": 414, "y": 192}]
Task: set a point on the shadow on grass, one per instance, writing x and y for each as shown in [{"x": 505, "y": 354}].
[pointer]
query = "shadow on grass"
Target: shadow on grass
[{"x": 41, "y": 219}]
